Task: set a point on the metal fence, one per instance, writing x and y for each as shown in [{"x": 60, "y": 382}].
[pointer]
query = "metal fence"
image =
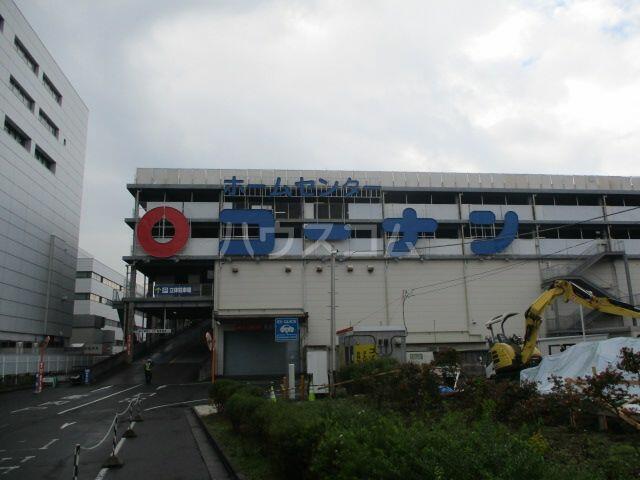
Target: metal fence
[{"x": 13, "y": 365}]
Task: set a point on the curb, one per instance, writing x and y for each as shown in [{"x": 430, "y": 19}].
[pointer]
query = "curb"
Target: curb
[{"x": 219, "y": 451}]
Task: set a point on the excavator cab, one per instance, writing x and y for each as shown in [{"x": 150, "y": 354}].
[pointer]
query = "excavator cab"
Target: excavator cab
[
  {"x": 501, "y": 336},
  {"x": 505, "y": 351}
]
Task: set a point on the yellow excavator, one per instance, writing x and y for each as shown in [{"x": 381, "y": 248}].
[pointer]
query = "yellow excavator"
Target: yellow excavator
[{"x": 509, "y": 355}]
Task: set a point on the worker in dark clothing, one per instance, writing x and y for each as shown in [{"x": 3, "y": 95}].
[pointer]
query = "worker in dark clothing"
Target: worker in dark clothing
[{"x": 148, "y": 366}]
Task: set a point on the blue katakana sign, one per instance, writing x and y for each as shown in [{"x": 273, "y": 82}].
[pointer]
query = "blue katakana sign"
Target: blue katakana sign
[
  {"x": 408, "y": 227},
  {"x": 305, "y": 188},
  {"x": 286, "y": 329},
  {"x": 500, "y": 241}
]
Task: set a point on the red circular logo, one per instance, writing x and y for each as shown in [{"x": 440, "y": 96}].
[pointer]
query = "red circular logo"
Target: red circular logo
[{"x": 144, "y": 232}]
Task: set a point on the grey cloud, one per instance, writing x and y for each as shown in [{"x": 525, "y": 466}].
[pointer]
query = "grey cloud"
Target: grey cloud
[{"x": 335, "y": 84}]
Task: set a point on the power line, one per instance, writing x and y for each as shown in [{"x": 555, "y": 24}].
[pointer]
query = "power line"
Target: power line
[{"x": 464, "y": 278}]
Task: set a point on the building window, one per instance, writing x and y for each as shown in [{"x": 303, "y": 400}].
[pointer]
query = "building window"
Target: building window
[
  {"x": 45, "y": 159},
  {"x": 98, "y": 299},
  {"x": 21, "y": 93},
  {"x": 17, "y": 134},
  {"x": 25, "y": 55},
  {"x": 99, "y": 278},
  {"x": 48, "y": 123},
  {"x": 236, "y": 231},
  {"x": 51, "y": 88}
]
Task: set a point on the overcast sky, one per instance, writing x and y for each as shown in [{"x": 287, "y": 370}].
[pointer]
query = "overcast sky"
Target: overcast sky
[{"x": 545, "y": 87}]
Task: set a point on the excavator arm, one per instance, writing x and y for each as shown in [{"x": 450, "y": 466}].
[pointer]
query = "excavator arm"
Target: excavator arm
[{"x": 571, "y": 292}]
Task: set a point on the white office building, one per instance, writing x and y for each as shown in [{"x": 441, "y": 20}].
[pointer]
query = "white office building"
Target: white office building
[
  {"x": 96, "y": 326},
  {"x": 439, "y": 253},
  {"x": 42, "y": 158}
]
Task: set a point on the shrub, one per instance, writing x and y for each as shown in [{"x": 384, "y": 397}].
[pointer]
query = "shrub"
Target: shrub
[
  {"x": 222, "y": 390},
  {"x": 241, "y": 407},
  {"x": 292, "y": 431},
  {"x": 405, "y": 387},
  {"x": 358, "y": 372}
]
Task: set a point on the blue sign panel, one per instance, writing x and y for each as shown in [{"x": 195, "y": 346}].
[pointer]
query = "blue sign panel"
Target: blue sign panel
[
  {"x": 173, "y": 291},
  {"x": 327, "y": 231},
  {"x": 262, "y": 219},
  {"x": 286, "y": 329}
]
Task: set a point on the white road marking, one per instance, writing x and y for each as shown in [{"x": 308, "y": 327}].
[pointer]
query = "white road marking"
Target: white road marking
[
  {"x": 177, "y": 403},
  {"x": 27, "y": 458},
  {"x": 29, "y": 408},
  {"x": 6, "y": 470},
  {"x": 48, "y": 444},
  {"x": 98, "y": 399},
  {"x": 56, "y": 403},
  {"x": 65, "y": 425},
  {"x": 75, "y": 397},
  {"x": 104, "y": 471},
  {"x": 5, "y": 459},
  {"x": 101, "y": 388},
  {"x": 161, "y": 387}
]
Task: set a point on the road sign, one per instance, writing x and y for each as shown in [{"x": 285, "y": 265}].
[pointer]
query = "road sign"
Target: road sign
[
  {"x": 286, "y": 329},
  {"x": 154, "y": 330}
]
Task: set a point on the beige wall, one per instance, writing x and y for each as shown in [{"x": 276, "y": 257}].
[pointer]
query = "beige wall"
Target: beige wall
[{"x": 362, "y": 298}]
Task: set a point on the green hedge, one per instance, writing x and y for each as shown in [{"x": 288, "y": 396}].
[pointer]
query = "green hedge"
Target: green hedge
[
  {"x": 349, "y": 439},
  {"x": 372, "y": 445}
]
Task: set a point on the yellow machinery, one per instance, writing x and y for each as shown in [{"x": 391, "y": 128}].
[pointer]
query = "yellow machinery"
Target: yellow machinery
[{"x": 509, "y": 355}]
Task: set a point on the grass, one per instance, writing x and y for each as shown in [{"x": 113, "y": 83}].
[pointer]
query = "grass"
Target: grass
[{"x": 244, "y": 454}]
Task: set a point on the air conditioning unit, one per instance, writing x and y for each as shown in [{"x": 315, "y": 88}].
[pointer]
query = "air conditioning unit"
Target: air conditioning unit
[{"x": 419, "y": 358}]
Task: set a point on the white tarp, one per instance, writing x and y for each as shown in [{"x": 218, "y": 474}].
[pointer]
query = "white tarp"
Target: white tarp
[{"x": 578, "y": 360}]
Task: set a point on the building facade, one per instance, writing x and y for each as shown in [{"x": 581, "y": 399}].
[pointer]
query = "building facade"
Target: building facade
[
  {"x": 96, "y": 326},
  {"x": 42, "y": 156},
  {"x": 436, "y": 253}
]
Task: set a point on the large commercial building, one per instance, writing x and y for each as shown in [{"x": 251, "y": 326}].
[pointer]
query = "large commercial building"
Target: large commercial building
[
  {"x": 437, "y": 253},
  {"x": 42, "y": 156}
]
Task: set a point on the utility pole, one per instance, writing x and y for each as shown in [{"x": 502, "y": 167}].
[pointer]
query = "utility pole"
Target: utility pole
[
  {"x": 332, "y": 353},
  {"x": 405, "y": 295},
  {"x": 584, "y": 334},
  {"x": 130, "y": 313}
]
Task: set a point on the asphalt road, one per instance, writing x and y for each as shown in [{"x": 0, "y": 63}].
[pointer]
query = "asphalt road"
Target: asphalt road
[{"x": 38, "y": 433}]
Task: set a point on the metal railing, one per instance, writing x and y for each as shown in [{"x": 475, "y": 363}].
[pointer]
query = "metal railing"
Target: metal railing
[
  {"x": 566, "y": 268},
  {"x": 27, "y": 363}
]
